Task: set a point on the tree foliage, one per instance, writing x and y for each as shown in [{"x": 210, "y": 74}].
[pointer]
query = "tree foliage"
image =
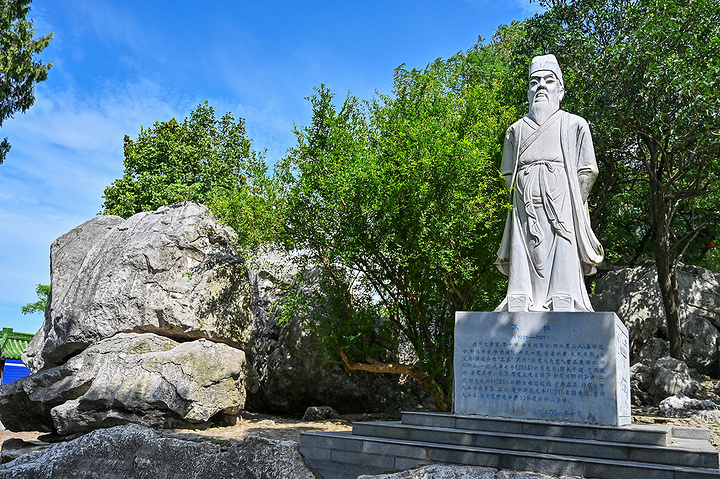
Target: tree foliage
[
  {"x": 43, "y": 294},
  {"x": 645, "y": 73},
  {"x": 190, "y": 161},
  {"x": 19, "y": 70},
  {"x": 398, "y": 200}
]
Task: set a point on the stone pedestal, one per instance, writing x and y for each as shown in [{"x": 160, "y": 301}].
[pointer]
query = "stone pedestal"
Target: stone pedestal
[{"x": 568, "y": 367}]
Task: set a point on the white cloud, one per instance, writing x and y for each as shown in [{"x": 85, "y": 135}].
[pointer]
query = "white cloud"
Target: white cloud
[{"x": 65, "y": 151}]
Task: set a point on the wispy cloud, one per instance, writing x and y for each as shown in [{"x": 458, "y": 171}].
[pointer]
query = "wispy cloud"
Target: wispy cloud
[{"x": 65, "y": 151}]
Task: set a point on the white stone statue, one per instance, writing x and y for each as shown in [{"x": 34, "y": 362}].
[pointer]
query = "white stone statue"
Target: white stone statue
[{"x": 549, "y": 167}]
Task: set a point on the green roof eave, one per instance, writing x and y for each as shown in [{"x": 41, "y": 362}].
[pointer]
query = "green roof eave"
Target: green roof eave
[{"x": 13, "y": 344}]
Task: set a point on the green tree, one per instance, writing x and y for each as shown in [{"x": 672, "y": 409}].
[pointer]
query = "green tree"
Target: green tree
[
  {"x": 43, "y": 294},
  {"x": 190, "y": 161},
  {"x": 645, "y": 74},
  {"x": 19, "y": 71},
  {"x": 398, "y": 201}
]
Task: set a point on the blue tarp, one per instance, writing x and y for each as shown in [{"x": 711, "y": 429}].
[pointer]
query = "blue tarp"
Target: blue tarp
[{"x": 14, "y": 369}]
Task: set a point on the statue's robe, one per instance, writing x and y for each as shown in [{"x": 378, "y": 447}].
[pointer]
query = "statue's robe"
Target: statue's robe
[{"x": 548, "y": 244}]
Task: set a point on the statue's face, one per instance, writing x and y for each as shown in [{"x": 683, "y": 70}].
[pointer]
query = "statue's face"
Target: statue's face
[{"x": 545, "y": 88}]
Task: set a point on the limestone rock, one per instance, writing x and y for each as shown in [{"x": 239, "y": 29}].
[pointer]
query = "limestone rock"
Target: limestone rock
[
  {"x": 320, "y": 413},
  {"x": 14, "y": 448},
  {"x": 653, "y": 381},
  {"x": 640, "y": 381},
  {"x": 683, "y": 406},
  {"x": 172, "y": 270},
  {"x": 130, "y": 378},
  {"x": 670, "y": 377},
  {"x": 634, "y": 294},
  {"x": 708, "y": 416},
  {"x": 449, "y": 471},
  {"x": 136, "y": 452},
  {"x": 292, "y": 374}
]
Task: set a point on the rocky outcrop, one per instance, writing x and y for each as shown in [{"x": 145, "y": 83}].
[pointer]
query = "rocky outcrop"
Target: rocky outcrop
[
  {"x": 683, "y": 406},
  {"x": 320, "y": 413},
  {"x": 175, "y": 273},
  {"x": 172, "y": 270},
  {"x": 653, "y": 381},
  {"x": 131, "y": 378},
  {"x": 136, "y": 452},
  {"x": 292, "y": 374},
  {"x": 634, "y": 294}
]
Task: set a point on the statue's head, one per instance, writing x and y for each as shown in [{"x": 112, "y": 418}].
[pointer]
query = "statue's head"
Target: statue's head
[{"x": 546, "y": 88}]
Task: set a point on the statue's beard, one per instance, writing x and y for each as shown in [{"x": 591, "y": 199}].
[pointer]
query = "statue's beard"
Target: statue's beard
[{"x": 541, "y": 110}]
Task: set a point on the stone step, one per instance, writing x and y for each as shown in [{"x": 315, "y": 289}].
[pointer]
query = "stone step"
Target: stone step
[
  {"x": 343, "y": 455},
  {"x": 660, "y": 435},
  {"x": 682, "y": 452}
]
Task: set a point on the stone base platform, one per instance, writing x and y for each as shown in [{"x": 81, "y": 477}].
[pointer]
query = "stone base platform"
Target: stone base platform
[{"x": 633, "y": 452}]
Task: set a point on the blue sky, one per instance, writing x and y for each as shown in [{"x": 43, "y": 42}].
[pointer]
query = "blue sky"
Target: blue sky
[{"x": 118, "y": 65}]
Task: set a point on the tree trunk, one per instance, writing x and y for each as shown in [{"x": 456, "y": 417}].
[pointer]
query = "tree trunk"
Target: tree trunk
[
  {"x": 664, "y": 257},
  {"x": 671, "y": 302}
]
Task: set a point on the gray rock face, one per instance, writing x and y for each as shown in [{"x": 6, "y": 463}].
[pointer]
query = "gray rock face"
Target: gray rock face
[
  {"x": 172, "y": 270},
  {"x": 130, "y": 378},
  {"x": 633, "y": 293},
  {"x": 175, "y": 273},
  {"x": 653, "y": 381},
  {"x": 683, "y": 406},
  {"x": 670, "y": 377},
  {"x": 136, "y": 452},
  {"x": 292, "y": 374},
  {"x": 320, "y": 413}
]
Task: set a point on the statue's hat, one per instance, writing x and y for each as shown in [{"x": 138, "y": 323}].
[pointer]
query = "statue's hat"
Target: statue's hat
[{"x": 546, "y": 62}]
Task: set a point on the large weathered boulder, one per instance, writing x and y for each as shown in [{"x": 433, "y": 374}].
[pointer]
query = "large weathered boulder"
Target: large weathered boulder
[
  {"x": 653, "y": 381},
  {"x": 683, "y": 406},
  {"x": 136, "y": 452},
  {"x": 670, "y": 377},
  {"x": 634, "y": 294},
  {"x": 292, "y": 374},
  {"x": 172, "y": 270},
  {"x": 131, "y": 378}
]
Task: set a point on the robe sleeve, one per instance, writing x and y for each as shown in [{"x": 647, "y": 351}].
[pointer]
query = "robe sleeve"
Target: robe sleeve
[
  {"x": 509, "y": 156},
  {"x": 587, "y": 169}
]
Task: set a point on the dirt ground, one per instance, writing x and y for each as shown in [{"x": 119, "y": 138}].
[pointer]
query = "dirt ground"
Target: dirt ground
[{"x": 289, "y": 429}]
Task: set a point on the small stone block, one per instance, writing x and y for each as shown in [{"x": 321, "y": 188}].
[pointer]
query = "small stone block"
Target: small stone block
[
  {"x": 440, "y": 436},
  {"x": 384, "y": 430},
  {"x": 428, "y": 419},
  {"x": 690, "y": 432},
  {"x": 656, "y": 435},
  {"x": 339, "y": 440},
  {"x": 558, "y": 430},
  {"x": 587, "y": 449},
  {"x": 403, "y": 463},
  {"x": 363, "y": 459},
  {"x": 494, "y": 425},
  {"x": 618, "y": 470},
  {"x": 466, "y": 457},
  {"x": 559, "y": 467},
  {"x": 315, "y": 453},
  {"x": 401, "y": 450},
  {"x": 688, "y": 473}
]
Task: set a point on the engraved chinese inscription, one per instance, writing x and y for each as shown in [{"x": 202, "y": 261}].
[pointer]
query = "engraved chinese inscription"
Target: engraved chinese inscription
[{"x": 534, "y": 369}]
